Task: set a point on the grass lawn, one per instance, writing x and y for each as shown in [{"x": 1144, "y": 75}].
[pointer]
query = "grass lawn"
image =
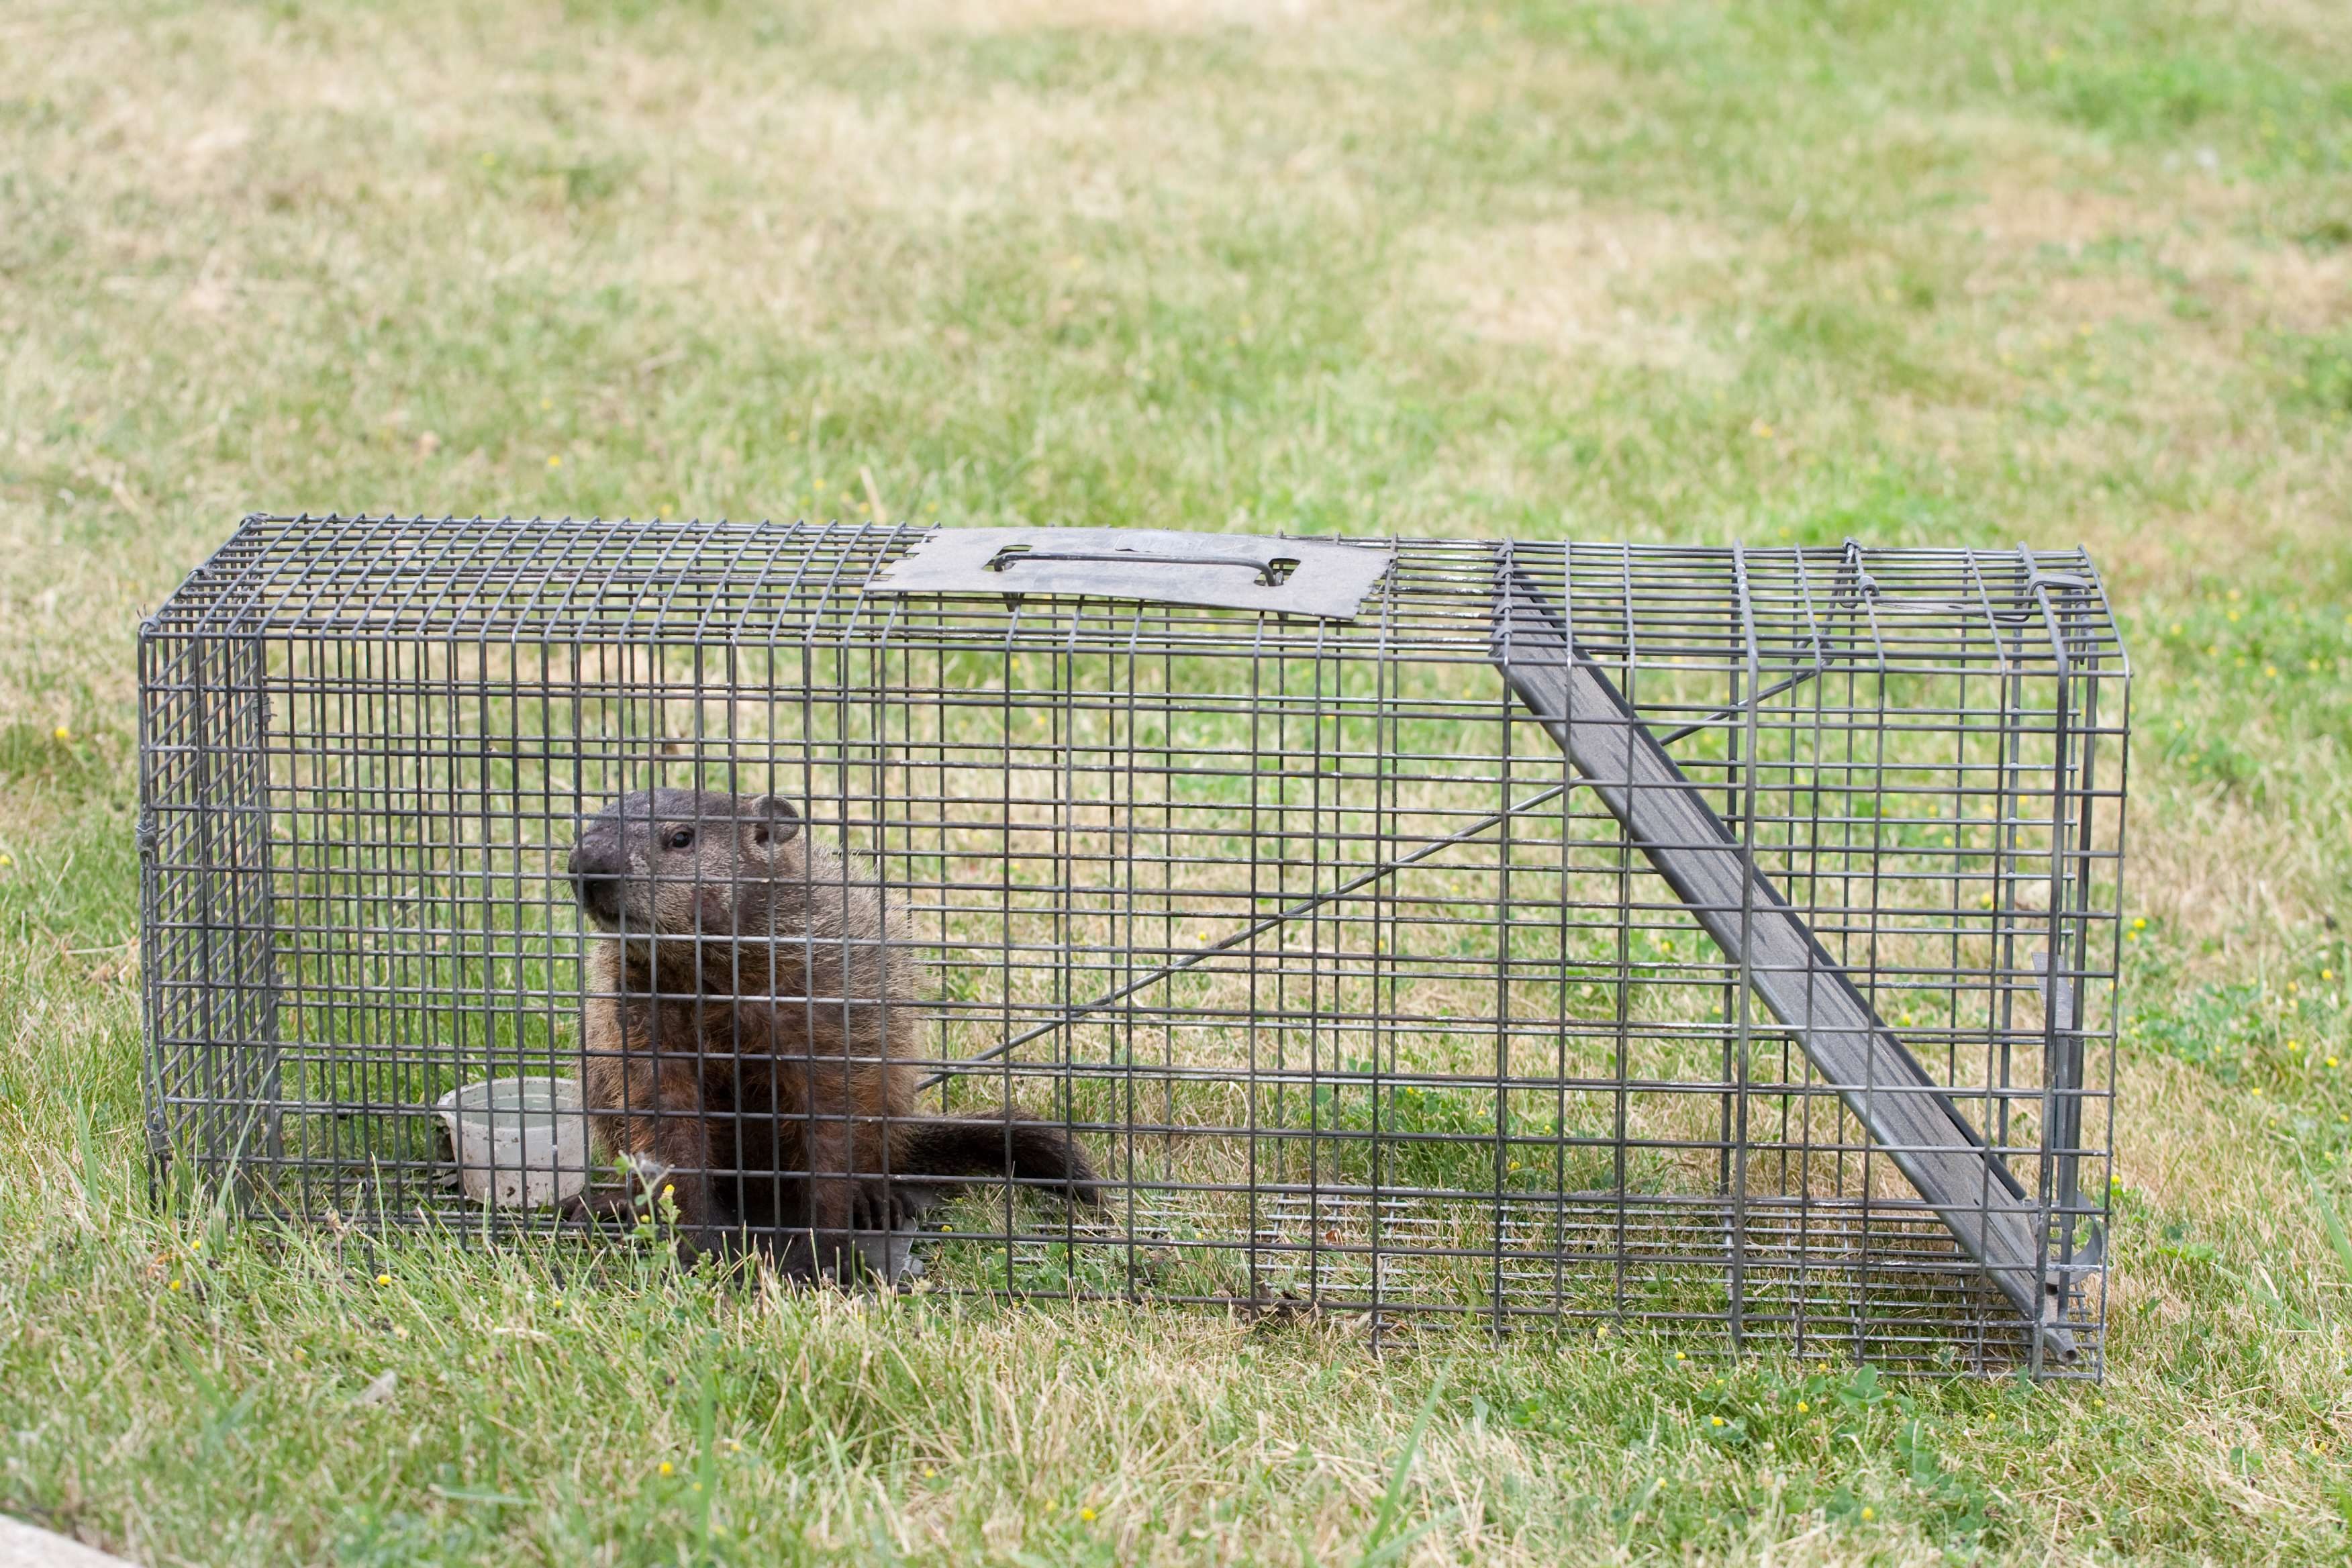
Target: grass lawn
[{"x": 1771, "y": 271}]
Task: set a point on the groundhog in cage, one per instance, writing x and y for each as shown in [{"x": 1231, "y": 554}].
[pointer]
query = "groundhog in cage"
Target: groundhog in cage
[{"x": 750, "y": 1011}]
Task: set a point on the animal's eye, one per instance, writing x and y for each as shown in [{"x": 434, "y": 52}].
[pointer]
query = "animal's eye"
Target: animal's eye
[{"x": 681, "y": 839}]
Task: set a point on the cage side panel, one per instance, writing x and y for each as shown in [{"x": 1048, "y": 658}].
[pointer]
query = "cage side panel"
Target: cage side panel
[{"x": 1360, "y": 998}]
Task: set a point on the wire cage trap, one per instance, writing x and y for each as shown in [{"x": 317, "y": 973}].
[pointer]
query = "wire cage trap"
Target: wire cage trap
[{"x": 1717, "y": 940}]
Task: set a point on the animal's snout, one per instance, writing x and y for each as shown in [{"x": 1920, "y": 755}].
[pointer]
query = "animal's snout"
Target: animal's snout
[{"x": 596, "y": 868}]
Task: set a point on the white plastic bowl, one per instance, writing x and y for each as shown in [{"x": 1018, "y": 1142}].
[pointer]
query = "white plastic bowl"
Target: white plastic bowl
[{"x": 521, "y": 1142}]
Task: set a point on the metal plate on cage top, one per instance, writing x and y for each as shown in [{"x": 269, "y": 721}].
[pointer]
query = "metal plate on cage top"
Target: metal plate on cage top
[{"x": 1217, "y": 570}]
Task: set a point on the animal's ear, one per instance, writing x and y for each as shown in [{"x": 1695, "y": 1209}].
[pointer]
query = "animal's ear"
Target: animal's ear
[{"x": 773, "y": 820}]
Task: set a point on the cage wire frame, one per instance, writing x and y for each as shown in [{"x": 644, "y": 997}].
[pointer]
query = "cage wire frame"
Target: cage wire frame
[{"x": 1325, "y": 934}]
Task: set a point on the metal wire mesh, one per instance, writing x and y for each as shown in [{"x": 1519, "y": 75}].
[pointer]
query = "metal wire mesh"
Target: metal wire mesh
[{"x": 1355, "y": 991}]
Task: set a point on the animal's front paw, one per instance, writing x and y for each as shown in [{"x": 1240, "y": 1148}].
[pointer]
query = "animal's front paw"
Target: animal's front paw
[
  {"x": 891, "y": 1206},
  {"x": 909, "y": 1203}
]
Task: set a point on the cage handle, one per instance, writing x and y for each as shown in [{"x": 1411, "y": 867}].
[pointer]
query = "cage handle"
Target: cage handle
[{"x": 1273, "y": 574}]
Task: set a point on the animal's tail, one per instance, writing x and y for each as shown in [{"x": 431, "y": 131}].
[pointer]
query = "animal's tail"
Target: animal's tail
[{"x": 1017, "y": 1144}]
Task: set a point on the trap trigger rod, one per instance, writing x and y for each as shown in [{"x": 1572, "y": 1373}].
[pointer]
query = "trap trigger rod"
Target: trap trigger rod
[
  {"x": 1721, "y": 714},
  {"x": 1306, "y": 906}
]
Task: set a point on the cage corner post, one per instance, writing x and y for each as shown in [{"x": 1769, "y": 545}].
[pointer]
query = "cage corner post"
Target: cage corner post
[{"x": 209, "y": 975}]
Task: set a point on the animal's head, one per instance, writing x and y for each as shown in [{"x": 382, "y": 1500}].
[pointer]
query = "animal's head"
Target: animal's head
[{"x": 682, "y": 862}]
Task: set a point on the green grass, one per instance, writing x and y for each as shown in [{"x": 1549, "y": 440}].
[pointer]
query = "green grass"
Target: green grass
[{"x": 1773, "y": 271}]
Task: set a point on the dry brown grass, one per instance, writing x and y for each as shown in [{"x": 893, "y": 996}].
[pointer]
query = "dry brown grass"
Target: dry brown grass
[{"x": 1592, "y": 285}]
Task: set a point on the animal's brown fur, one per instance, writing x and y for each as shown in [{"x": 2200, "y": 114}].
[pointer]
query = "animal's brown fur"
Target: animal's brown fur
[{"x": 748, "y": 1019}]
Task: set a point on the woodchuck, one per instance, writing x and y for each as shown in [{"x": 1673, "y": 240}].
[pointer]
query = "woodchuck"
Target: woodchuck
[{"x": 748, "y": 1016}]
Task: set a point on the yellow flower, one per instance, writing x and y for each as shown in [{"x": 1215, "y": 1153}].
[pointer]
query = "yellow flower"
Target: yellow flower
[
  {"x": 1870, "y": 1513},
  {"x": 1088, "y": 1514},
  {"x": 2331, "y": 1061},
  {"x": 175, "y": 1284},
  {"x": 1051, "y": 1505},
  {"x": 383, "y": 1279},
  {"x": 1679, "y": 1357},
  {"x": 665, "y": 1470},
  {"x": 553, "y": 461},
  {"x": 1802, "y": 1407},
  {"x": 928, "y": 1473},
  {"x": 1714, "y": 1420},
  {"x": 62, "y": 733}
]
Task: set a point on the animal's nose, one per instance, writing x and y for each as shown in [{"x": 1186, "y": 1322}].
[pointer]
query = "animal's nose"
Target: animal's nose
[{"x": 595, "y": 878}]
